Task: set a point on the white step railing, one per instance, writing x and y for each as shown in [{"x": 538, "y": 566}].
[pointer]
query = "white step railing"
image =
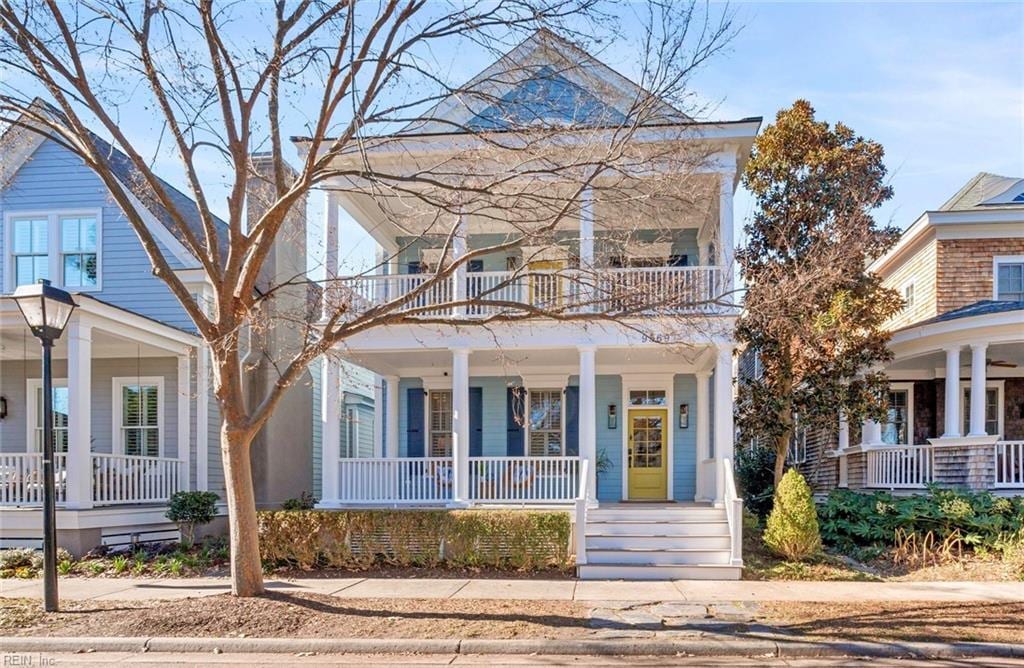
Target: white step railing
[
  {"x": 523, "y": 479},
  {"x": 649, "y": 289},
  {"x": 396, "y": 480},
  {"x": 119, "y": 479},
  {"x": 733, "y": 513},
  {"x": 21, "y": 478},
  {"x": 900, "y": 466},
  {"x": 1009, "y": 464},
  {"x": 580, "y": 514}
]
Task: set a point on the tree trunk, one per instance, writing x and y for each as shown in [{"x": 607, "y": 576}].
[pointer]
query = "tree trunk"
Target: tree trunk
[
  {"x": 246, "y": 567},
  {"x": 781, "y": 449}
]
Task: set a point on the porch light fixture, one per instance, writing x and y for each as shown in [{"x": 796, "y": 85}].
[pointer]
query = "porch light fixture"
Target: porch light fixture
[
  {"x": 3, "y": 407},
  {"x": 46, "y": 310},
  {"x": 684, "y": 416},
  {"x": 613, "y": 417}
]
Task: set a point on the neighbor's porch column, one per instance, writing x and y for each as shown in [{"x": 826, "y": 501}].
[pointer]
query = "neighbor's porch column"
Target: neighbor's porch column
[
  {"x": 587, "y": 288},
  {"x": 460, "y": 425},
  {"x": 330, "y": 414},
  {"x": 703, "y": 418},
  {"x": 725, "y": 234},
  {"x": 843, "y": 444},
  {"x": 978, "y": 351},
  {"x": 588, "y": 416},
  {"x": 79, "y": 455},
  {"x": 185, "y": 419},
  {"x": 391, "y": 416},
  {"x": 461, "y": 274},
  {"x": 202, "y": 417},
  {"x": 378, "y": 416},
  {"x": 952, "y": 392},
  {"x": 723, "y": 417}
]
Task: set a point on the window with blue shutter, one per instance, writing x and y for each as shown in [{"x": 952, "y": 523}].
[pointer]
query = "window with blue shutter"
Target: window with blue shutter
[
  {"x": 515, "y": 411},
  {"x": 476, "y": 422},
  {"x": 572, "y": 421}
]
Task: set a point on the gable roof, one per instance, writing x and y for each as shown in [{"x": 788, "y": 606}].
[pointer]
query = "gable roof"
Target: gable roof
[
  {"x": 983, "y": 307},
  {"x": 985, "y": 190},
  {"x": 548, "y": 80}
]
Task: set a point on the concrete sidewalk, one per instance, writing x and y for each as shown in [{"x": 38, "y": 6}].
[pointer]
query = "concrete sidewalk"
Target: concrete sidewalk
[{"x": 705, "y": 591}]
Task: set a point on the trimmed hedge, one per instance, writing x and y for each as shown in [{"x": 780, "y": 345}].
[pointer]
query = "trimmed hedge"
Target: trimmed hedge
[{"x": 360, "y": 539}]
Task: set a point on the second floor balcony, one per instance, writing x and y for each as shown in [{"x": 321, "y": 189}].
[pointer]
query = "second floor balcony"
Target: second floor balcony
[{"x": 620, "y": 292}]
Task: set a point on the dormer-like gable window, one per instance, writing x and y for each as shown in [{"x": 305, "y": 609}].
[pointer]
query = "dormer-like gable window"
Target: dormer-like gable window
[{"x": 1008, "y": 278}]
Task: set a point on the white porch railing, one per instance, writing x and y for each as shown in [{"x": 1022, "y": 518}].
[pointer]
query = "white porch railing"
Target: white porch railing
[
  {"x": 900, "y": 467},
  {"x": 733, "y": 513},
  {"x": 580, "y": 514},
  {"x": 21, "y": 478},
  {"x": 1009, "y": 464},
  {"x": 523, "y": 479},
  {"x": 398, "y": 480},
  {"x": 666, "y": 289},
  {"x": 119, "y": 479}
]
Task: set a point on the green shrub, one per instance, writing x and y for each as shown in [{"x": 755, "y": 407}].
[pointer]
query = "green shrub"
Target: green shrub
[
  {"x": 792, "y": 528},
  {"x": 856, "y": 522},
  {"x": 755, "y": 476},
  {"x": 460, "y": 538},
  {"x": 191, "y": 509},
  {"x": 26, "y": 562},
  {"x": 306, "y": 501}
]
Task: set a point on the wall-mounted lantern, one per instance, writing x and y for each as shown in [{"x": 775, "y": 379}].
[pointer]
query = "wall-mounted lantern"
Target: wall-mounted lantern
[
  {"x": 684, "y": 416},
  {"x": 613, "y": 417},
  {"x": 3, "y": 407}
]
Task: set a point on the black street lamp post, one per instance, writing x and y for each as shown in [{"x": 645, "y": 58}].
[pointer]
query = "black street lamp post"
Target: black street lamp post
[{"x": 47, "y": 310}]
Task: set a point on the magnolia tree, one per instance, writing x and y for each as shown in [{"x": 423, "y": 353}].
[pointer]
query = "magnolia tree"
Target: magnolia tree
[
  {"x": 812, "y": 312},
  {"x": 223, "y": 82}
]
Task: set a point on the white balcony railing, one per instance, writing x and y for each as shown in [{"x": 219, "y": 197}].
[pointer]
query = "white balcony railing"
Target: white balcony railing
[
  {"x": 523, "y": 479},
  {"x": 21, "y": 478},
  {"x": 652, "y": 289},
  {"x": 900, "y": 467},
  {"x": 393, "y": 481},
  {"x": 119, "y": 479},
  {"x": 1009, "y": 464}
]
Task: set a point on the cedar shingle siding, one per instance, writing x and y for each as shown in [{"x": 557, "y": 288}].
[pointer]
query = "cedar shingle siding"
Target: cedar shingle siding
[{"x": 964, "y": 269}]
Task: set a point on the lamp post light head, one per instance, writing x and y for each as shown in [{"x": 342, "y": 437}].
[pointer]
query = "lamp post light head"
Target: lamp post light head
[{"x": 45, "y": 308}]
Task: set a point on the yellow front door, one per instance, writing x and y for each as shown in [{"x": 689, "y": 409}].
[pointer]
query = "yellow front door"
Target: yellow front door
[{"x": 648, "y": 447}]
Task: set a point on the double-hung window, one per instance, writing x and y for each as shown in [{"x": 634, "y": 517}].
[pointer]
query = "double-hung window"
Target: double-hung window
[
  {"x": 440, "y": 423},
  {"x": 61, "y": 405},
  {"x": 138, "y": 411},
  {"x": 60, "y": 247},
  {"x": 545, "y": 428},
  {"x": 898, "y": 427},
  {"x": 993, "y": 408},
  {"x": 1009, "y": 279}
]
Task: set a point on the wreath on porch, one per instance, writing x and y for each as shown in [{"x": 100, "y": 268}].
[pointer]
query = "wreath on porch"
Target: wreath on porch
[
  {"x": 521, "y": 474},
  {"x": 443, "y": 473}
]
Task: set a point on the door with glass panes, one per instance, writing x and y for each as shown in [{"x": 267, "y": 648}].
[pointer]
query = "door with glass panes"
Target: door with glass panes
[{"x": 647, "y": 451}]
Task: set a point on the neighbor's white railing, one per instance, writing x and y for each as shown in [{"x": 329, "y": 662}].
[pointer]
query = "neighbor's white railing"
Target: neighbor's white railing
[
  {"x": 733, "y": 513},
  {"x": 118, "y": 479},
  {"x": 21, "y": 478},
  {"x": 395, "y": 480},
  {"x": 580, "y": 511},
  {"x": 900, "y": 466},
  {"x": 1009, "y": 464},
  {"x": 523, "y": 479},
  {"x": 671, "y": 289}
]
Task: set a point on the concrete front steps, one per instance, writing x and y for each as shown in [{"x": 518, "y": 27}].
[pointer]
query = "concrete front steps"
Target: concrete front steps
[{"x": 658, "y": 542}]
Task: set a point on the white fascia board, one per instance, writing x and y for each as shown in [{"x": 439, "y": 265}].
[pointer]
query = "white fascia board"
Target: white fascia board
[
  {"x": 994, "y": 215},
  {"x": 990, "y": 328}
]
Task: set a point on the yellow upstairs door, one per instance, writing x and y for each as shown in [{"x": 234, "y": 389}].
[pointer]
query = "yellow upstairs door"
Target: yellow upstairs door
[{"x": 648, "y": 439}]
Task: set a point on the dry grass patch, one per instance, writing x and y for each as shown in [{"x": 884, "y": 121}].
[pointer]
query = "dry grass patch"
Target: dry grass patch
[{"x": 279, "y": 614}]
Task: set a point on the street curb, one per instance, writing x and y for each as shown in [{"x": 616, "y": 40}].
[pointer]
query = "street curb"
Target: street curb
[{"x": 707, "y": 647}]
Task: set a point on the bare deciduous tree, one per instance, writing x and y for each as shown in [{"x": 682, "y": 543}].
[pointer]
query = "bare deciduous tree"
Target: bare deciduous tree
[{"x": 224, "y": 81}]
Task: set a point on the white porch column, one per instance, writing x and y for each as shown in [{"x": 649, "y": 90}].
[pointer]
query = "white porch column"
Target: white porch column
[
  {"x": 391, "y": 405},
  {"x": 588, "y": 416},
  {"x": 79, "y": 455},
  {"x": 723, "y": 417},
  {"x": 458, "y": 252},
  {"x": 725, "y": 234},
  {"x": 703, "y": 423},
  {"x": 460, "y": 425},
  {"x": 843, "y": 444},
  {"x": 331, "y": 236},
  {"x": 587, "y": 246},
  {"x": 330, "y": 414},
  {"x": 870, "y": 433},
  {"x": 184, "y": 418},
  {"x": 952, "y": 392},
  {"x": 202, "y": 418},
  {"x": 378, "y": 416},
  {"x": 978, "y": 351}
]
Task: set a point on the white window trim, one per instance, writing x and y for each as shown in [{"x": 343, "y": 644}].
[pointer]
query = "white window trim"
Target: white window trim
[
  {"x": 999, "y": 386},
  {"x": 427, "y": 432},
  {"x": 526, "y": 426},
  {"x": 642, "y": 381},
  {"x": 352, "y": 430},
  {"x": 907, "y": 387},
  {"x": 53, "y": 250},
  {"x": 998, "y": 260},
  {"x": 32, "y": 385},
  {"x": 119, "y": 382},
  {"x": 908, "y": 307},
  {"x": 796, "y": 453}
]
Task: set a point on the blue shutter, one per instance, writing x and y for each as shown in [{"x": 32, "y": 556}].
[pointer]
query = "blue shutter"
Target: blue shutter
[
  {"x": 572, "y": 420},
  {"x": 476, "y": 422},
  {"x": 414, "y": 429},
  {"x": 513, "y": 410}
]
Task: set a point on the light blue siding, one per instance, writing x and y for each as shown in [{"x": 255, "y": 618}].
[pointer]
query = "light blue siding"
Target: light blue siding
[
  {"x": 55, "y": 179},
  {"x": 609, "y": 391},
  {"x": 684, "y": 455}
]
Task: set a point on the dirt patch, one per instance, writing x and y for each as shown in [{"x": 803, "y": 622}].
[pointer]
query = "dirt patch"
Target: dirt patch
[
  {"x": 904, "y": 621},
  {"x": 299, "y": 616}
]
